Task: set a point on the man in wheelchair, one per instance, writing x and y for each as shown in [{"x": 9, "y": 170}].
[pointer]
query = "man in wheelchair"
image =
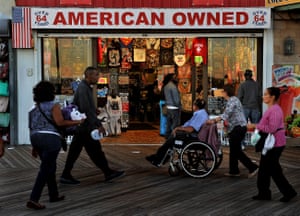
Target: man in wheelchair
[{"x": 192, "y": 126}]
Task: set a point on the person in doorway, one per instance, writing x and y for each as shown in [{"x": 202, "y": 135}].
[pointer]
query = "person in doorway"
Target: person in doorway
[
  {"x": 173, "y": 103},
  {"x": 46, "y": 141},
  {"x": 192, "y": 126},
  {"x": 250, "y": 97},
  {"x": 237, "y": 128},
  {"x": 83, "y": 98},
  {"x": 272, "y": 121},
  {"x": 114, "y": 111}
]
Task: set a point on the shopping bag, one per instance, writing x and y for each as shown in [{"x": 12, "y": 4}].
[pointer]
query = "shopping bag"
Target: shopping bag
[{"x": 269, "y": 143}]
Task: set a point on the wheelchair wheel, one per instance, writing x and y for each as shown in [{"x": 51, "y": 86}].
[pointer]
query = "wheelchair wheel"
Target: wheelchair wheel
[
  {"x": 174, "y": 170},
  {"x": 198, "y": 159}
]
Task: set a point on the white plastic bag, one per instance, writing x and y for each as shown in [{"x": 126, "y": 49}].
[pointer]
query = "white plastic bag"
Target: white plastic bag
[
  {"x": 254, "y": 137},
  {"x": 269, "y": 143}
]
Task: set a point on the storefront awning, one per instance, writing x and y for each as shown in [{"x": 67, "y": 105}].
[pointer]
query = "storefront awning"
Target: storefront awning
[{"x": 5, "y": 28}]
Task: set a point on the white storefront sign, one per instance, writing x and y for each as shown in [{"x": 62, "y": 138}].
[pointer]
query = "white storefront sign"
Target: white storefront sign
[{"x": 150, "y": 18}]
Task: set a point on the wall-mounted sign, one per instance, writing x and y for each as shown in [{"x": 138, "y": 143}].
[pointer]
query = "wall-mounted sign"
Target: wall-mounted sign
[{"x": 151, "y": 18}]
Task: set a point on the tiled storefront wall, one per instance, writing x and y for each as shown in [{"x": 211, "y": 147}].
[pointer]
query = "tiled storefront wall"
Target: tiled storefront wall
[{"x": 286, "y": 25}]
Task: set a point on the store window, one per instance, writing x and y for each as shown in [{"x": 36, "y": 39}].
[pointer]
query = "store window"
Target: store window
[
  {"x": 64, "y": 61},
  {"x": 137, "y": 66}
]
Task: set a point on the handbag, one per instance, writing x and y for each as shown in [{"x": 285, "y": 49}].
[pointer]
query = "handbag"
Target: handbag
[
  {"x": 64, "y": 145},
  {"x": 261, "y": 142}
]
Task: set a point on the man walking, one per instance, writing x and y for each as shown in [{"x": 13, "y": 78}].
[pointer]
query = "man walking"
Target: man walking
[{"x": 83, "y": 98}]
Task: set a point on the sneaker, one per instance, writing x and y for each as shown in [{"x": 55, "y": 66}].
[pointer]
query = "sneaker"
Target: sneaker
[
  {"x": 232, "y": 175},
  {"x": 57, "y": 199},
  {"x": 114, "y": 175},
  {"x": 69, "y": 180},
  {"x": 152, "y": 161},
  {"x": 288, "y": 198},
  {"x": 252, "y": 174}
]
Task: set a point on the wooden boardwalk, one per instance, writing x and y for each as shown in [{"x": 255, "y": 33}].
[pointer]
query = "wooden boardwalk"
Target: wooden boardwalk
[{"x": 145, "y": 190}]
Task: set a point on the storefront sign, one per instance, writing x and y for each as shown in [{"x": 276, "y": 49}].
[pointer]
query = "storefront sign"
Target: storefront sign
[
  {"x": 104, "y": 18},
  {"x": 275, "y": 3}
]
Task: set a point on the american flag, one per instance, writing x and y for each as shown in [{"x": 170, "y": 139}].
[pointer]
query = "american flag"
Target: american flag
[{"x": 21, "y": 28}]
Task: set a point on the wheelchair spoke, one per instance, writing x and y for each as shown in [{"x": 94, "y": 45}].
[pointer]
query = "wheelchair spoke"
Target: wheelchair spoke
[{"x": 198, "y": 160}]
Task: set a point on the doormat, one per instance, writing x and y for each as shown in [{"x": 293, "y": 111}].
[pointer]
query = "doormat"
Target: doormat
[{"x": 140, "y": 126}]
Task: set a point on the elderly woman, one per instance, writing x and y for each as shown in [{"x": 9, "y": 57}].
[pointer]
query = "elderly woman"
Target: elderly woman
[{"x": 237, "y": 128}]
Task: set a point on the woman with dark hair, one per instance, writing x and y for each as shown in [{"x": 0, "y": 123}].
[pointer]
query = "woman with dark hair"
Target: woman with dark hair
[
  {"x": 237, "y": 128},
  {"x": 272, "y": 121},
  {"x": 46, "y": 141},
  {"x": 192, "y": 126}
]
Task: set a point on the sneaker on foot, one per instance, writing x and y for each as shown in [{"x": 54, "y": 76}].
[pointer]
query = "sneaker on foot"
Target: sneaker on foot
[
  {"x": 288, "y": 198},
  {"x": 151, "y": 159},
  {"x": 232, "y": 175},
  {"x": 57, "y": 199},
  {"x": 69, "y": 180},
  {"x": 114, "y": 175}
]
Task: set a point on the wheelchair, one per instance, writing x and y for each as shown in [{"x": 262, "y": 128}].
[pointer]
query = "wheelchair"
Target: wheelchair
[{"x": 196, "y": 158}]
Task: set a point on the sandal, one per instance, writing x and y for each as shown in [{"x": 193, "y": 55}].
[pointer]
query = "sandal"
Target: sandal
[{"x": 35, "y": 205}]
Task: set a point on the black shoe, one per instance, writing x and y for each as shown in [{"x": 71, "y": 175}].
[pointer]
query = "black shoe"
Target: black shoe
[
  {"x": 151, "y": 159},
  {"x": 114, "y": 175},
  {"x": 288, "y": 198},
  {"x": 262, "y": 197},
  {"x": 69, "y": 180},
  {"x": 57, "y": 199}
]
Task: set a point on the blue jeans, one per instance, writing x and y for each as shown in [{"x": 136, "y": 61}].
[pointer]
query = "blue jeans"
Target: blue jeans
[
  {"x": 252, "y": 114},
  {"x": 48, "y": 147},
  {"x": 173, "y": 120}
]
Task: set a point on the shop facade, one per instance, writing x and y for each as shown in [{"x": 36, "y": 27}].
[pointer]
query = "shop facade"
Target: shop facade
[
  {"x": 286, "y": 65},
  {"x": 135, "y": 47}
]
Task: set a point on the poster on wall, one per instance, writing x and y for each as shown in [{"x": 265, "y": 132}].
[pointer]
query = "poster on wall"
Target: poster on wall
[{"x": 287, "y": 78}]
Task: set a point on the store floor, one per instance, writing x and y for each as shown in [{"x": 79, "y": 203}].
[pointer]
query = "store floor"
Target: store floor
[{"x": 141, "y": 133}]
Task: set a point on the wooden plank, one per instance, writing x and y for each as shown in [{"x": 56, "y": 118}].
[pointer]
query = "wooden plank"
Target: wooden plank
[{"x": 145, "y": 190}]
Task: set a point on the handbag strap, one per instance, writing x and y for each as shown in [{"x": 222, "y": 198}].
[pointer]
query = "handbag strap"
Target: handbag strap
[{"x": 46, "y": 117}]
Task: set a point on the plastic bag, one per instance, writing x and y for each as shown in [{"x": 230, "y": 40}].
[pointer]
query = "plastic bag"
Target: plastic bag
[
  {"x": 254, "y": 137},
  {"x": 269, "y": 143}
]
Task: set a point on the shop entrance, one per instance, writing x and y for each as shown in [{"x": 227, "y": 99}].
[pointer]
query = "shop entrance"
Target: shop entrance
[{"x": 134, "y": 69}]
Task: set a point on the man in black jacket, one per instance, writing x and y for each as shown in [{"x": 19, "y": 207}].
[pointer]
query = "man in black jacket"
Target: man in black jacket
[{"x": 83, "y": 98}]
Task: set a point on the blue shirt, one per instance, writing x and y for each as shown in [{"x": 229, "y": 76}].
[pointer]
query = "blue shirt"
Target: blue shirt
[{"x": 198, "y": 119}]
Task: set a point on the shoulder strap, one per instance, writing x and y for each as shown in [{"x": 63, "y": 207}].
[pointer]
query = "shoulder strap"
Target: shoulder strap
[{"x": 46, "y": 117}]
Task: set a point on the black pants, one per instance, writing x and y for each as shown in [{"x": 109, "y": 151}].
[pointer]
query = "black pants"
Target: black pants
[
  {"x": 93, "y": 149},
  {"x": 236, "y": 154},
  {"x": 270, "y": 167},
  {"x": 162, "y": 151}
]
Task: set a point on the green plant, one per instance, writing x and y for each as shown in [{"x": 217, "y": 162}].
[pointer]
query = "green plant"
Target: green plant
[{"x": 295, "y": 123}]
